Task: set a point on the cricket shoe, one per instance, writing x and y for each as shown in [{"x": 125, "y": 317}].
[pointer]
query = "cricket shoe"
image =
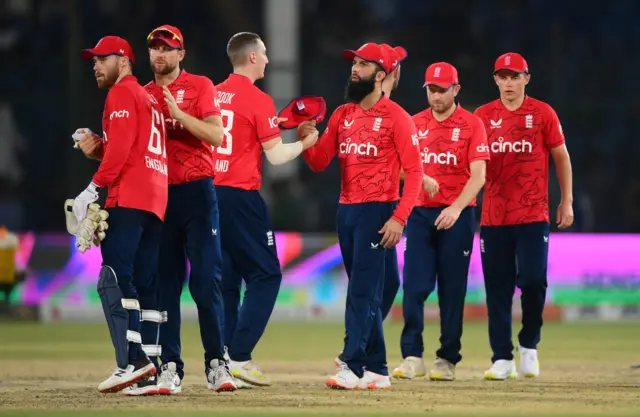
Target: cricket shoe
[
  {"x": 344, "y": 379},
  {"x": 169, "y": 382},
  {"x": 219, "y": 378},
  {"x": 239, "y": 383},
  {"x": 412, "y": 367},
  {"x": 442, "y": 370},
  {"x": 147, "y": 386},
  {"x": 338, "y": 362},
  {"x": 529, "y": 364},
  {"x": 501, "y": 370},
  {"x": 124, "y": 378},
  {"x": 371, "y": 380},
  {"x": 249, "y": 372}
]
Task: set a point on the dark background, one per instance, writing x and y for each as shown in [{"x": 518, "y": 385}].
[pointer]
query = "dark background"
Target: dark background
[{"x": 584, "y": 59}]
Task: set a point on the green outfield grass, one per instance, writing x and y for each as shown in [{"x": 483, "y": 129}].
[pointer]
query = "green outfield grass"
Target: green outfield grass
[{"x": 53, "y": 369}]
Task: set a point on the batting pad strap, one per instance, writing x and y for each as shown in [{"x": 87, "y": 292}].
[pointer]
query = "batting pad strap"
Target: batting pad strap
[
  {"x": 152, "y": 350},
  {"x": 151, "y": 315},
  {"x": 165, "y": 316},
  {"x": 134, "y": 336},
  {"x": 130, "y": 304}
]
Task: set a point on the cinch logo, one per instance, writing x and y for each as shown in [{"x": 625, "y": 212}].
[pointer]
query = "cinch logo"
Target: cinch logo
[
  {"x": 520, "y": 146},
  {"x": 438, "y": 158},
  {"x": 349, "y": 147},
  {"x": 482, "y": 148},
  {"x": 119, "y": 114},
  {"x": 273, "y": 122}
]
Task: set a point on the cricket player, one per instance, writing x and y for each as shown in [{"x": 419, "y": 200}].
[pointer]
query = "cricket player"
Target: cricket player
[
  {"x": 134, "y": 169},
  {"x": 374, "y": 138},
  {"x": 191, "y": 230},
  {"x": 391, "y": 273},
  {"x": 250, "y": 125},
  {"x": 514, "y": 234},
  {"x": 441, "y": 227}
]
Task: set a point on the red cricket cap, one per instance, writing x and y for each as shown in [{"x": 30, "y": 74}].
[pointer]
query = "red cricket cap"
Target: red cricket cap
[
  {"x": 109, "y": 45},
  {"x": 441, "y": 74},
  {"x": 302, "y": 109},
  {"x": 372, "y": 52},
  {"x": 511, "y": 61},
  {"x": 397, "y": 54},
  {"x": 170, "y": 35}
]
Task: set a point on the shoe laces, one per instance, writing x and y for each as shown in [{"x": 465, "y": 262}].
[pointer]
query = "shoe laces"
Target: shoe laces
[
  {"x": 220, "y": 371},
  {"x": 166, "y": 374}
]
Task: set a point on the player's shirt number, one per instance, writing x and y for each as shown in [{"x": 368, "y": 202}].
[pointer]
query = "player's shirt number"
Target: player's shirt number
[
  {"x": 227, "y": 125},
  {"x": 155, "y": 139}
]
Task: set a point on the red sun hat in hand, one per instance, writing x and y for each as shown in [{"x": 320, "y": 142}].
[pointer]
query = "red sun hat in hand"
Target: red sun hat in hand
[{"x": 302, "y": 109}]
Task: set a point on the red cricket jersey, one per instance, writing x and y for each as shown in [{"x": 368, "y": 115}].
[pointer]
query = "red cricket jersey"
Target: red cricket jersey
[
  {"x": 372, "y": 145},
  {"x": 190, "y": 159},
  {"x": 249, "y": 118},
  {"x": 447, "y": 149},
  {"x": 517, "y": 183},
  {"x": 134, "y": 161}
]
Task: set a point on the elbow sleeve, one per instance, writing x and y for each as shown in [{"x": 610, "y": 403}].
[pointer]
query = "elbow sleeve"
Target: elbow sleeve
[{"x": 282, "y": 152}]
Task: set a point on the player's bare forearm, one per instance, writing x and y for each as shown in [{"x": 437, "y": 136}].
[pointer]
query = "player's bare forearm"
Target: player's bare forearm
[
  {"x": 473, "y": 186},
  {"x": 564, "y": 172},
  {"x": 209, "y": 130}
]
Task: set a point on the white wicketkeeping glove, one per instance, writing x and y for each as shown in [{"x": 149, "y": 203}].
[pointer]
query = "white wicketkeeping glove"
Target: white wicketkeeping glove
[
  {"x": 79, "y": 134},
  {"x": 82, "y": 201},
  {"x": 92, "y": 229}
]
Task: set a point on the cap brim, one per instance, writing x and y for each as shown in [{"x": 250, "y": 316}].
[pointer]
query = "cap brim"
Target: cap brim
[
  {"x": 445, "y": 86},
  {"x": 165, "y": 41},
  {"x": 349, "y": 54},
  {"x": 88, "y": 54},
  {"x": 511, "y": 70}
]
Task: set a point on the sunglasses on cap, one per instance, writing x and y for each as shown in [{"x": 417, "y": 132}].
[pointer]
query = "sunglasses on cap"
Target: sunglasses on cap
[{"x": 165, "y": 31}]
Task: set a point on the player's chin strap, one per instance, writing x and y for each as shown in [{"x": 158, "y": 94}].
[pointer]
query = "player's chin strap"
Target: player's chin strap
[{"x": 152, "y": 331}]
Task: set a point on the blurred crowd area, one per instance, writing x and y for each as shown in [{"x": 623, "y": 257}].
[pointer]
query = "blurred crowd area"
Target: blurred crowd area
[{"x": 581, "y": 56}]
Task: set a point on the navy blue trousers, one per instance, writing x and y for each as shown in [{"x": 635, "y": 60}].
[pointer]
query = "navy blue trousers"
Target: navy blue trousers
[
  {"x": 432, "y": 256},
  {"x": 514, "y": 255},
  {"x": 191, "y": 231},
  {"x": 131, "y": 248},
  {"x": 364, "y": 261},
  {"x": 249, "y": 253}
]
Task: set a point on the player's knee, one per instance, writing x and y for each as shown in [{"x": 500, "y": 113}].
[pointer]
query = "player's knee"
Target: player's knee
[
  {"x": 115, "y": 302},
  {"x": 109, "y": 279},
  {"x": 532, "y": 280}
]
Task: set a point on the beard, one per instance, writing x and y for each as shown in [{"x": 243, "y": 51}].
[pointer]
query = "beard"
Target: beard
[
  {"x": 358, "y": 89},
  {"x": 108, "y": 79},
  {"x": 164, "y": 69},
  {"x": 441, "y": 106}
]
